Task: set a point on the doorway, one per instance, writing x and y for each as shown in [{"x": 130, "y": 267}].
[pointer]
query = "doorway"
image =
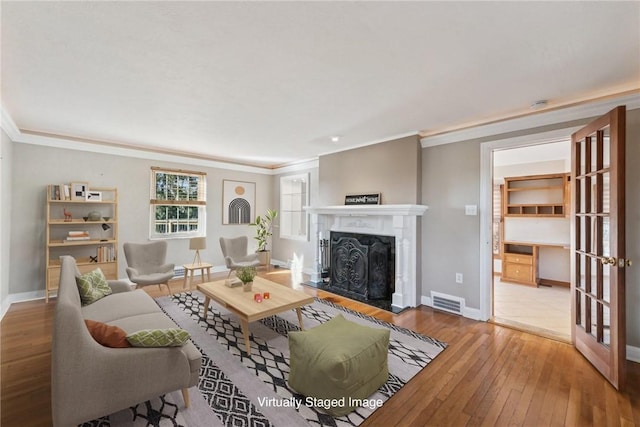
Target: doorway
[
  {"x": 531, "y": 238},
  {"x": 490, "y": 255}
]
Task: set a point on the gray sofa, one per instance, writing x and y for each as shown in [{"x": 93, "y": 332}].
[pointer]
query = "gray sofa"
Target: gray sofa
[{"x": 89, "y": 380}]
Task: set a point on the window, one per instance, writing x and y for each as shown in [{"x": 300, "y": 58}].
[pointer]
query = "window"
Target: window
[
  {"x": 177, "y": 203},
  {"x": 294, "y": 194}
]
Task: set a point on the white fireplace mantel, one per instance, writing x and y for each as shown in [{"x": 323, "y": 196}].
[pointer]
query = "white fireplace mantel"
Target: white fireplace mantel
[
  {"x": 354, "y": 210},
  {"x": 399, "y": 221}
]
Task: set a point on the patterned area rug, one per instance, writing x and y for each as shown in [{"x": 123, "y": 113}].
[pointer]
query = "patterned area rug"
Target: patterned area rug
[{"x": 240, "y": 390}]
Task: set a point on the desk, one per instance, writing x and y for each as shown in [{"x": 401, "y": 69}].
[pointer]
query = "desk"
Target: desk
[{"x": 192, "y": 267}]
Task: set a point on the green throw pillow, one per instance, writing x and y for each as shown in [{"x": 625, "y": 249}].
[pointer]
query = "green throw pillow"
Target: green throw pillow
[
  {"x": 92, "y": 286},
  {"x": 171, "y": 337}
]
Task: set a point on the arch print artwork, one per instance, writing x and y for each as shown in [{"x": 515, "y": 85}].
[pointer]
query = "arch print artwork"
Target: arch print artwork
[{"x": 238, "y": 200}]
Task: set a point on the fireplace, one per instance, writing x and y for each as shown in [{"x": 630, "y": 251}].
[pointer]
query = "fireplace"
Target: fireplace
[
  {"x": 362, "y": 266},
  {"x": 400, "y": 222}
]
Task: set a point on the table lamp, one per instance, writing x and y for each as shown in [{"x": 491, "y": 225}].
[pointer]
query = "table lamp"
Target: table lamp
[{"x": 197, "y": 243}]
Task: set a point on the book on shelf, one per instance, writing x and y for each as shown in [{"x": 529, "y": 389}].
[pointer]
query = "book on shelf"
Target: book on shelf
[
  {"x": 106, "y": 254},
  {"x": 77, "y": 235},
  {"x": 55, "y": 193}
]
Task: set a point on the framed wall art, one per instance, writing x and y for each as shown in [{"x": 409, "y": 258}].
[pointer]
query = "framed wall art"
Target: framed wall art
[
  {"x": 79, "y": 190},
  {"x": 238, "y": 202}
]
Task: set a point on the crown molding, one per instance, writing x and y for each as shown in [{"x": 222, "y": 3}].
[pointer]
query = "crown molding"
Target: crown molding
[
  {"x": 8, "y": 125},
  {"x": 550, "y": 116},
  {"x": 119, "y": 149},
  {"x": 297, "y": 166}
]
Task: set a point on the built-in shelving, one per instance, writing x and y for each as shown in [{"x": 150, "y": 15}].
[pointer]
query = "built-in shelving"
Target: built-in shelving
[{"x": 536, "y": 195}]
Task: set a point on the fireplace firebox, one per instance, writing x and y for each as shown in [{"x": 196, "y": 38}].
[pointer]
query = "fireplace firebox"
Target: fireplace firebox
[{"x": 362, "y": 266}]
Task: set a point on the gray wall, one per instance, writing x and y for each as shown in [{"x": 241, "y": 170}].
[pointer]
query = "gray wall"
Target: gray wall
[
  {"x": 392, "y": 168},
  {"x": 450, "y": 240},
  {"x": 36, "y": 166},
  {"x": 6, "y": 148},
  {"x": 632, "y": 198}
]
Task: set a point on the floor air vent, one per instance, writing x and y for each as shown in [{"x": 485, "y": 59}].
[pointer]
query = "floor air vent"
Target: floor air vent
[
  {"x": 178, "y": 272},
  {"x": 447, "y": 303}
]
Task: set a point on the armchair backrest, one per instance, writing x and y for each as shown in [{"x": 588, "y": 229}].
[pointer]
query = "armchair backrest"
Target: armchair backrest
[
  {"x": 146, "y": 257},
  {"x": 234, "y": 248}
]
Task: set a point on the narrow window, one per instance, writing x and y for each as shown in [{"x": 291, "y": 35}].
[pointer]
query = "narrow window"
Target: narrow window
[{"x": 294, "y": 195}]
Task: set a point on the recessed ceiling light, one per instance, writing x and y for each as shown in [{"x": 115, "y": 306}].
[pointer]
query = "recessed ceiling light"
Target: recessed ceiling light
[
  {"x": 335, "y": 138},
  {"x": 539, "y": 104}
]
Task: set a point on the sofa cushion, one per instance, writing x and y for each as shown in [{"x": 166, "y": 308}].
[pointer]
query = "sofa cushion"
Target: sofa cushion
[
  {"x": 107, "y": 335},
  {"x": 156, "y": 321},
  {"x": 92, "y": 286},
  {"x": 171, "y": 337},
  {"x": 120, "y": 306}
]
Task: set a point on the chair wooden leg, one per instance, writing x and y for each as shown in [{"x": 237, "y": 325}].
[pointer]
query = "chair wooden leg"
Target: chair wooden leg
[
  {"x": 185, "y": 397},
  {"x": 229, "y": 275}
]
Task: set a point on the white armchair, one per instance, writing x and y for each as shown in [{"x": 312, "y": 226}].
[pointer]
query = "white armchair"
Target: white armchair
[
  {"x": 234, "y": 250},
  {"x": 147, "y": 263}
]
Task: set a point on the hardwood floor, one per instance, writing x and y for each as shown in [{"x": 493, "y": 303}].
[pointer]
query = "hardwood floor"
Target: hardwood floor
[{"x": 489, "y": 375}]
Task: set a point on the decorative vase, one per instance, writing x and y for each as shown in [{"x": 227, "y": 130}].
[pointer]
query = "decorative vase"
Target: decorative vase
[
  {"x": 247, "y": 286},
  {"x": 94, "y": 216}
]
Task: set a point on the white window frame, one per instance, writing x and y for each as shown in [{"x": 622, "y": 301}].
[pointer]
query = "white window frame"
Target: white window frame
[
  {"x": 292, "y": 203},
  {"x": 181, "y": 199}
]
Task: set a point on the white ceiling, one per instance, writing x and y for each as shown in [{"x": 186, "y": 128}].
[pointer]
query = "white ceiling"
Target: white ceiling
[{"x": 268, "y": 83}]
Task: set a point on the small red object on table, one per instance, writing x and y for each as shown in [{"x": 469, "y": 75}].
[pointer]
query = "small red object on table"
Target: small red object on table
[
  {"x": 257, "y": 297},
  {"x": 266, "y": 295}
]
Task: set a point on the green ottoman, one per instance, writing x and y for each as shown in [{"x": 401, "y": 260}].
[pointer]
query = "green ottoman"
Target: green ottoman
[{"x": 338, "y": 363}]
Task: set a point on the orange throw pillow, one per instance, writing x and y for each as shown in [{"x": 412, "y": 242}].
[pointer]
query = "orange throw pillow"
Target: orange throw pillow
[{"x": 107, "y": 335}]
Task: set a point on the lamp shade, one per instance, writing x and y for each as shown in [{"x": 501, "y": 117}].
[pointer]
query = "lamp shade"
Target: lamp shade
[{"x": 197, "y": 243}]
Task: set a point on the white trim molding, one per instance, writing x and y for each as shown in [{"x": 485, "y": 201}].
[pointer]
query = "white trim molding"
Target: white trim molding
[{"x": 543, "y": 118}]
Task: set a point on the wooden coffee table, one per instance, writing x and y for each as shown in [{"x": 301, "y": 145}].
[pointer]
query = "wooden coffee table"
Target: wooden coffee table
[{"x": 243, "y": 305}]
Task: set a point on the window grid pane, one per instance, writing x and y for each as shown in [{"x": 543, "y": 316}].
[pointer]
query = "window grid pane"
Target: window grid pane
[{"x": 184, "y": 210}]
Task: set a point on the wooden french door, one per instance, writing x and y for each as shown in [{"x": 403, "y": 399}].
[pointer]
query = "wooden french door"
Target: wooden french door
[{"x": 598, "y": 244}]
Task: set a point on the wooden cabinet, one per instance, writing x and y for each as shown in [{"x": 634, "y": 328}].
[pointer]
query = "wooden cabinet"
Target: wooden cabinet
[
  {"x": 520, "y": 264},
  {"x": 536, "y": 195},
  {"x": 71, "y": 230}
]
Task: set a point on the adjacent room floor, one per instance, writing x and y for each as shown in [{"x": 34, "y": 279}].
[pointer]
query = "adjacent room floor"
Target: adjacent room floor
[{"x": 545, "y": 310}]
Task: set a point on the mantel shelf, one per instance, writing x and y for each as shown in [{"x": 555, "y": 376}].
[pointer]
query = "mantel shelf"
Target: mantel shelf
[{"x": 361, "y": 210}]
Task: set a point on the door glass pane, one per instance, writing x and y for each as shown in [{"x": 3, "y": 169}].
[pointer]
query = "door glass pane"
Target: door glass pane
[
  {"x": 583, "y": 312},
  {"x": 581, "y": 243},
  {"x": 592, "y": 316},
  {"x": 583, "y": 199},
  {"x": 606, "y": 190},
  {"x": 580, "y": 262},
  {"x": 579, "y": 311},
  {"x": 606, "y": 246},
  {"x": 606, "y": 148},
  {"x": 586, "y": 313},
  {"x": 606, "y": 287},
  {"x": 606, "y": 339},
  {"x": 594, "y": 270},
  {"x": 594, "y": 153},
  {"x": 581, "y": 156}
]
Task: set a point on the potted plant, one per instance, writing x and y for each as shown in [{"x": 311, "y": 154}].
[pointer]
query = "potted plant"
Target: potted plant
[
  {"x": 246, "y": 275},
  {"x": 264, "y": 226}
]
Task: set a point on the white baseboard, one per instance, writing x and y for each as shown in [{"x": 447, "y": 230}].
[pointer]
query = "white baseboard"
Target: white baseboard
[
  {"x": 20, "y": 297},
  {"x": 633, "y": 354}
]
